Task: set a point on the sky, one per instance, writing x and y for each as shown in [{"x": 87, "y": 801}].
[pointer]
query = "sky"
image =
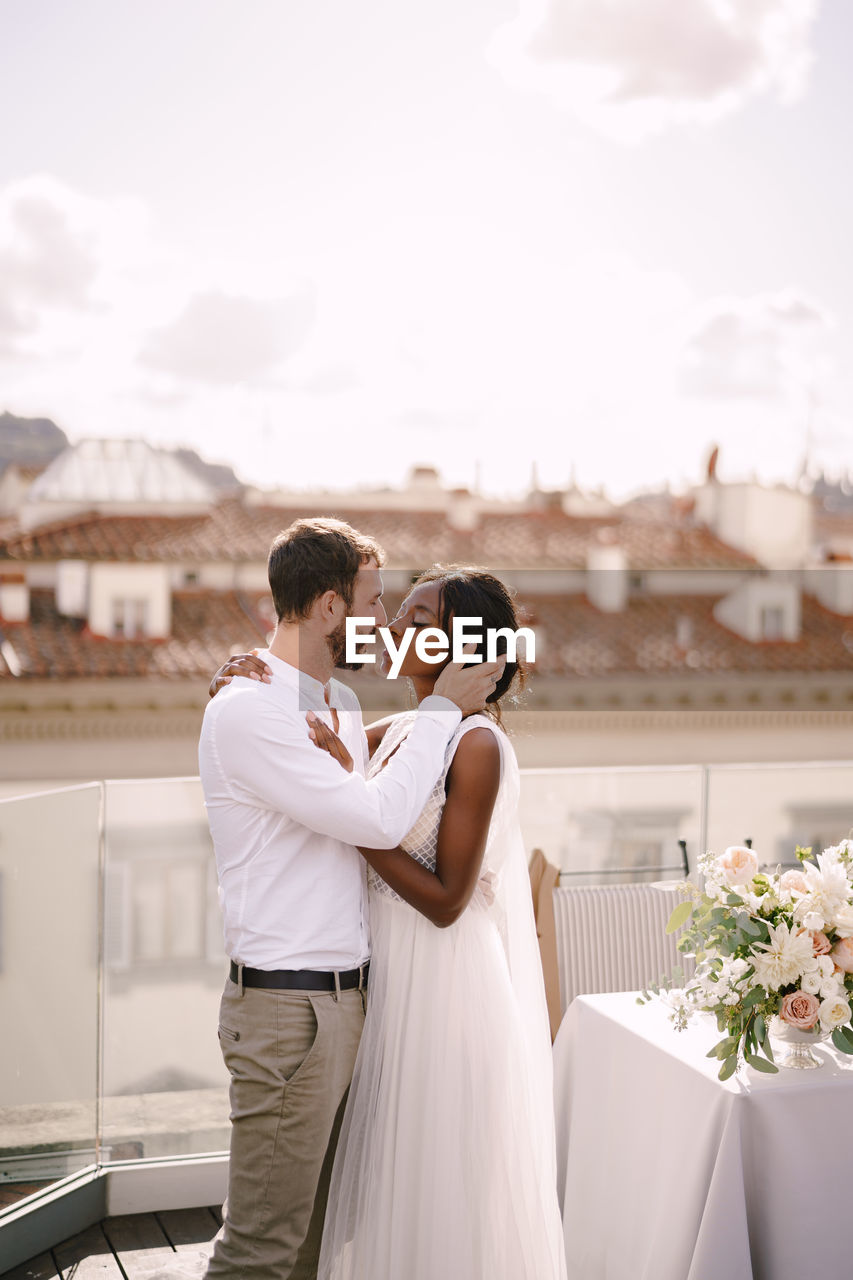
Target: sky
[{"x": 327, "y": 242}]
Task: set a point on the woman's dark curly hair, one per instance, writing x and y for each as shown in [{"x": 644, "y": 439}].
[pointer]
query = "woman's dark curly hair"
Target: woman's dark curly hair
[{"x": 467, "y": 592}]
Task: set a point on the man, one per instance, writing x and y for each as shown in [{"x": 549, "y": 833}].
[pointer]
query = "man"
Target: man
[{"x": 285, "y": 819}]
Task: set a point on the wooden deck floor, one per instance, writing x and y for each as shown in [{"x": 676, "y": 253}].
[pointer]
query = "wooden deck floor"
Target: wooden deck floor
[{"x": 125, "y": 1248}]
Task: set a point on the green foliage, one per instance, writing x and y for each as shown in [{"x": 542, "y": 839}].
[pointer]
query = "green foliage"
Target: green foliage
[
  {"x": 728, "y": 1068},
  {"x": 680, "y": 915},
  {"x": 761, "y": 1064},
  {"x": 842, "y": 1038},
  {"x": 725, "y": 1048}
]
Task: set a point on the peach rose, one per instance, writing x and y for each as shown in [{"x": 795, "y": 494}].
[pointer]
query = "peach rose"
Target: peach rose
[
  {"x": 794, "y": 882},
  {"x": 842, "y": 954},
  {"x": 800, "y": 1009},
  {"x": 738, "y": 864},
  {"x": 820, "y": 942}
]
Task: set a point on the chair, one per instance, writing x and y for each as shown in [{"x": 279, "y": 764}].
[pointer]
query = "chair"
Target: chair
[{"x": 613, "y": 937}]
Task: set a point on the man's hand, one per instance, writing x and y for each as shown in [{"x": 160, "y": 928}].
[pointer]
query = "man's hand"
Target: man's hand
[
  {"x": 240, "y": 664},
  {"x": 469, "y": 686}
]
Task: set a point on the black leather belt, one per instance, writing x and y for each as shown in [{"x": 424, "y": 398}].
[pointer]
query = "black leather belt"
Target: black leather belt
[{"x": 301, "y": 979}]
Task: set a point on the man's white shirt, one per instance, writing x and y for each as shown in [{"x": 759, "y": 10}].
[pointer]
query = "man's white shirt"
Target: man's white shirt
[{"x": 285, "y": 817}]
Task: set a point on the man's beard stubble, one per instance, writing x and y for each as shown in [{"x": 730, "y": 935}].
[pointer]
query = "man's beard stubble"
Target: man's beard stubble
[{"x": 337, "y": 644}]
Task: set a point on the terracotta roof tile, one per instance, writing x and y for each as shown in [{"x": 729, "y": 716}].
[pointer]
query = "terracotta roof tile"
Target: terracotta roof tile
[
  {"x": 233, "y": 532},
  {"x": 678, "y": 635},
  {"x": 658, "y": 636}
]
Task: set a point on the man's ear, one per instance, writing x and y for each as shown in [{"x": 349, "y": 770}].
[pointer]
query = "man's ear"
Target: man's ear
[{"x": 330, "y": 607}]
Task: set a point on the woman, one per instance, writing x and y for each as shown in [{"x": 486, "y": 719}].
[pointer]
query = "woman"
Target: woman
[{"x": 445, "y": 1166}]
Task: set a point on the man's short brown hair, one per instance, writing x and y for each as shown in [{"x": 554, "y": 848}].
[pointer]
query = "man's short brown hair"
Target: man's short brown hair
[{"x": 314, "y": 556}]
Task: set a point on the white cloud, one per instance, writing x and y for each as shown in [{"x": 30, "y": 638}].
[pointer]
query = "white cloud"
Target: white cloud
[
  {"x": 62, "y": 255},
  {"x": 768, "y": 347},
  {"x": 225, "y": 338},
  {"x": 47, "y": 252},
  {"x": 630, "y": 68}
]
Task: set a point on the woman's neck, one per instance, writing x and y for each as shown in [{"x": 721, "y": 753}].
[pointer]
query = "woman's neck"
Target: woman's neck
[{"x": 423, "y": 686}]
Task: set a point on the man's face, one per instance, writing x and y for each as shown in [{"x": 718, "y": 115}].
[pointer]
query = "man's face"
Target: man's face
[{"x": 366, "y": 603}]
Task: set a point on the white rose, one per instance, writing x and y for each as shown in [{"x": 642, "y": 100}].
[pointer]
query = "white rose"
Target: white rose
[
  {"x": 832, "y": 988},
  {"x": 811, "y": 982},
  {"x": 813, "y": 921},
  {"x": 834, "y": 1012},
  {"x": 844, "y": 922}
]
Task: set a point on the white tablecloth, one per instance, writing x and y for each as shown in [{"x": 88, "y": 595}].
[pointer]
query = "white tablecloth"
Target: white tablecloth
[{"x": 667, "y": 1174}]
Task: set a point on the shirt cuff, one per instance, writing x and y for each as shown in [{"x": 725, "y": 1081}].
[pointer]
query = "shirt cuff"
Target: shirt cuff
[{"x": 442, "y": 711}]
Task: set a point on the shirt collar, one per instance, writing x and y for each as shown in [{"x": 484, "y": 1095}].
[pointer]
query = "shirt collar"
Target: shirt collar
[{"x": 312, "y": 692}]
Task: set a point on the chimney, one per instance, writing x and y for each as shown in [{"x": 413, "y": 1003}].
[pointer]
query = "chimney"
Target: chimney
[
  {"x": 833, "y": 584},
  {"x": 683, "y": 632},
  {"x": 607, "y": 573},
  {"x": 462, "y": 511},
  {"x": 14, "y": 598}
]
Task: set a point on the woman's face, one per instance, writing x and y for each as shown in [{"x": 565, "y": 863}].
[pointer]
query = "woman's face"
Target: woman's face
[{"x": 420, "y": 609}]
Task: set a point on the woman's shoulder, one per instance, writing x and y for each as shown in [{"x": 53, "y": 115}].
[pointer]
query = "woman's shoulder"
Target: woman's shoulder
[
  {"x": 480, "y": 727},
  {"x": 478, "y": 743}
]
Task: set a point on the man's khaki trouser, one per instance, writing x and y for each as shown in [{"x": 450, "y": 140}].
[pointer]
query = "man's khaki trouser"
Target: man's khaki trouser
[{"x": 291, "y": 1056}]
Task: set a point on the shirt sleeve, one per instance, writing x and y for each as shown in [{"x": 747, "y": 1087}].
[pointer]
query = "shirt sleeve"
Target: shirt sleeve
[{"x": 267, "y": 759}]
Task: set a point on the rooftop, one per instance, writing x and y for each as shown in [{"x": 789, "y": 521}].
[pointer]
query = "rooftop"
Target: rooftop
[
  {"x": 110, "y": 471},
  {"x": 666, "y": 635},
  {"x": 231, "y": 531}
]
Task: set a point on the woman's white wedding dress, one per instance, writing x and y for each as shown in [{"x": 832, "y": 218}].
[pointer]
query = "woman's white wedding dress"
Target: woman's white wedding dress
[{"x": 445, "y": 1167}]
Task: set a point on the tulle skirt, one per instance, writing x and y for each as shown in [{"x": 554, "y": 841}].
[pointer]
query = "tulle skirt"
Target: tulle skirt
[{"x": 442, "y": 1171}]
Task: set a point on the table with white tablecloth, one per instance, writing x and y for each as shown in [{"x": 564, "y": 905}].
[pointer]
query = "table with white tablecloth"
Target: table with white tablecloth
[{"x": 667, "y": 1173}]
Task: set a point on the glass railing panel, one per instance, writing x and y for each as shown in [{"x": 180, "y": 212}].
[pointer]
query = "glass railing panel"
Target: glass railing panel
[
  {"x": 165, "y": 1086},
  {"x": 779, "y": 806},
  {"x": 603, "y": 826},
  {"x": 49, "y": 931}
]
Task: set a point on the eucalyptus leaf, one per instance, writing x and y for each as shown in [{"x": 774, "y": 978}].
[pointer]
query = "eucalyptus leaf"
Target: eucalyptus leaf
[
  {"x": 681, "y": 914},
  {"x": 728, "y": 1068},
  {"x": 842, "y": 1041},
  {"x": 761, "y": 1064},
  {"x": 755, "y": 996},
  {"x": 724, "y": 1047}
]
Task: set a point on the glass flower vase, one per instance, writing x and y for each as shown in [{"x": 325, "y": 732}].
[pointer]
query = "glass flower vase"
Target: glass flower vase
[{"x": 797, "y": 1045}]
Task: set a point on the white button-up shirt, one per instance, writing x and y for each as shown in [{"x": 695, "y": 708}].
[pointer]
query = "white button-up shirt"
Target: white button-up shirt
[{"x": 285, "y": 817}]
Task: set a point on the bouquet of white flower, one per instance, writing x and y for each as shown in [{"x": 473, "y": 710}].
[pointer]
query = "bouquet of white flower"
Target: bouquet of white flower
[{"x": 768, "y": 945}]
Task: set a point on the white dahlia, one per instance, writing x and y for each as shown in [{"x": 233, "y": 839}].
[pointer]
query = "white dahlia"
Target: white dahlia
[
  {"x": 827, "y": 889},
  {"x": 783, "y": 959}
]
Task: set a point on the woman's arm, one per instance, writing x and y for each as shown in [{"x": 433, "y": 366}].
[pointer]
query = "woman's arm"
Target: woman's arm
[
  {"x": 472, "y": 787},
  {"x": 239, "y": 664}
]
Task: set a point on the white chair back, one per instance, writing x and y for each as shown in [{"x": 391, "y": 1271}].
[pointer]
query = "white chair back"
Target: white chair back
[{"x": 613, "y": 937}]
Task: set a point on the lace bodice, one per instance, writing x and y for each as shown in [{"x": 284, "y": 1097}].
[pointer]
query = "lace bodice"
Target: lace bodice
[{"x": 421, "y": 843}]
